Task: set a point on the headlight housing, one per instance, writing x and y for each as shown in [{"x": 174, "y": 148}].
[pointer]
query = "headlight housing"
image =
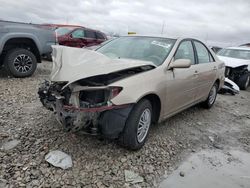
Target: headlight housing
[{"x": 114, "y": 92}]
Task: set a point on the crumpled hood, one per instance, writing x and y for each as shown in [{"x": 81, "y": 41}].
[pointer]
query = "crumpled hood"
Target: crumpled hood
[
  {"x": 234, "y": 62},
  {"x": 72, "y": 64}
]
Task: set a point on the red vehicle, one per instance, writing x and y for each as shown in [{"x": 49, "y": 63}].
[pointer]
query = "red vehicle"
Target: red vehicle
[{"x": 76, "y": 36}]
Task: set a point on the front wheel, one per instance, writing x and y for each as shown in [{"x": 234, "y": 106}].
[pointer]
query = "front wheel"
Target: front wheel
[
  {"x": 211, "y": 97},
  {"x": 137, "y": 126}
]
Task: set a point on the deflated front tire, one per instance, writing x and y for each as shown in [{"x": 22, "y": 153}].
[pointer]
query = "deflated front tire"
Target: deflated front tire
[{"x": 137, "y": 126}]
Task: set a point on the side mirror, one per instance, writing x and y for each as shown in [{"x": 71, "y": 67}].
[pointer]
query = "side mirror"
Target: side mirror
[{"x": 180, "y": 63}]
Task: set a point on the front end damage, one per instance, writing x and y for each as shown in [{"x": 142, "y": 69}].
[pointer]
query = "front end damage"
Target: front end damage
[
  {"x": 234, "y": 73},
  {"x": 237, "y": 71},
  {"x": 79, "y": 91},
  {"x": 240, "y": 75},
  {"x": 84, "y": 108}
]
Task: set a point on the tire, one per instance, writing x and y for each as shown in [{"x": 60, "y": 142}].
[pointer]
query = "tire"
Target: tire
[
  {"x": 131, "y": 137},
  {"x": 211, "y": 97},
  {"x": 244, "y": 81},
  {"x": 20, "y": 63}
]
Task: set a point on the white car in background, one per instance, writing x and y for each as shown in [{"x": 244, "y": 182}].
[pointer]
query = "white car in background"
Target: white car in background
[{"x": 237, "y": 61}]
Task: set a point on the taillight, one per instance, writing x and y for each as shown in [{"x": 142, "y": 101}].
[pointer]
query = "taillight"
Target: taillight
[{"x": 115, "y": 91}]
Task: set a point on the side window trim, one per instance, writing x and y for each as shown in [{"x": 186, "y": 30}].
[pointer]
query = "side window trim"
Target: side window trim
[{"x": 195, "y": 53}]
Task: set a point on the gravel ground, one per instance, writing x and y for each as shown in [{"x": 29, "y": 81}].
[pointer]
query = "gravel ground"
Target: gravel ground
[{"x": 101, "y": 163}]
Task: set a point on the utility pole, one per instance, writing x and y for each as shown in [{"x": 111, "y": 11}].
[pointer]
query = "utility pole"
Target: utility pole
[
  {"x": 163, "y": 26},
  {"x": 206, "y": 39}
]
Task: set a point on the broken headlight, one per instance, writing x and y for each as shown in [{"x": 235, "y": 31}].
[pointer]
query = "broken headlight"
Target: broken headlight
[
  {"x": 98, "y": 97},
  {"x": 115, "y": 91}
]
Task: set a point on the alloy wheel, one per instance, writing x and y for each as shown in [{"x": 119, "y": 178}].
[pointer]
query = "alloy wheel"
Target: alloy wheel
[
  {"x": 212, "y": 95},
  {"x": 23, "y": 63},
  {"x": 143, "y": 125}
]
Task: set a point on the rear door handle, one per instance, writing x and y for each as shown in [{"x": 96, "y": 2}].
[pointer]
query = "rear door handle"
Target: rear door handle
[
  {"x": 215, "y": 68},
  {"x": 196, "y": 72}
]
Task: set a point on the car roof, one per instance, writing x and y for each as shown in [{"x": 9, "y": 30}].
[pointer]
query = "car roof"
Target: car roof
[
  {"x": 60, "y": 25},
  {"x": 163, "y": 36},
  {"x": 239, "y": 48},
  {"x": 72, "y": 26},
  {"x": 86, "y": 28},
  {"x": 156, "y": 36}
]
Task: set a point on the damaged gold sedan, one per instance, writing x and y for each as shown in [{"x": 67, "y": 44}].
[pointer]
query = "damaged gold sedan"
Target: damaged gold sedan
[{"x": 123, "y": 87}]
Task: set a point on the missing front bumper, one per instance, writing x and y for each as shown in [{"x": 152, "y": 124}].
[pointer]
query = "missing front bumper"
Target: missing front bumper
[
  {"x": 77, "y": 111},
  {"x": 108, "y": 121}
]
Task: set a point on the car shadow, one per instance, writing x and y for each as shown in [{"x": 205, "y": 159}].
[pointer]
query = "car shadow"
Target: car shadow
[{"x": 3, "y": 74}]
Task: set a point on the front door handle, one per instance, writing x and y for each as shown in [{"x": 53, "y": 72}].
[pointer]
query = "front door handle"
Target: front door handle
[{"x": 215, "y": 68}]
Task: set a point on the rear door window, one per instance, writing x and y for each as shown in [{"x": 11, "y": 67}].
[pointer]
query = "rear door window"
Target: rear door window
[
  {"x": 203, "y": 54},
  {"x": 99, "y": 36},
  {"x": 90, "y": 34}
]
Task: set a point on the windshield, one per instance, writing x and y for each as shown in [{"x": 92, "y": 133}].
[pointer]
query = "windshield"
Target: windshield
[
  {"x": 140, "y": 48},
  {"x": 64, "y": 30},
  {"x": 235, "y": 53}
]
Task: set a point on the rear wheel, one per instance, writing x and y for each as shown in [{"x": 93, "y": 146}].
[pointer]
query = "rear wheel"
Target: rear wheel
[
  {"x": 244, "y": 81},
  {"x": 20, "y": 62},
  {"x": 211, "y": 97},
  {"x": 137, "y": 126}
]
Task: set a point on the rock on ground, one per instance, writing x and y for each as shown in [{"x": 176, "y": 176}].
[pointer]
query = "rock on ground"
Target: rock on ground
[
  {"x": 10, "y": 144},
  {"x": 59, "y": 159},
  {"x": 132, "y": 177}
]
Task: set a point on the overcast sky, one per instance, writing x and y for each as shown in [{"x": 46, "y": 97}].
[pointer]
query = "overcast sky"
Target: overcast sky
[{"x": 221, "y": 22}]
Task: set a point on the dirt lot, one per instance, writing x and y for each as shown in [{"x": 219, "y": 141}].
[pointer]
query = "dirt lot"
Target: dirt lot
[{"x": 101, "y": 163}]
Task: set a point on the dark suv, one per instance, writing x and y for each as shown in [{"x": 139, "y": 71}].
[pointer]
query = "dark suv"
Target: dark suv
[{"x": 80, "y": 37}]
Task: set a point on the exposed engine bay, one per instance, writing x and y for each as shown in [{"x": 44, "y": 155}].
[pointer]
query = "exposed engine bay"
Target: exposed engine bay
[
  {"x": 236, "y": 78},
  {"x": 237, "y": 70},
  {"x": 77, "y": 107},
  {"x": 234, "y": 73}
]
